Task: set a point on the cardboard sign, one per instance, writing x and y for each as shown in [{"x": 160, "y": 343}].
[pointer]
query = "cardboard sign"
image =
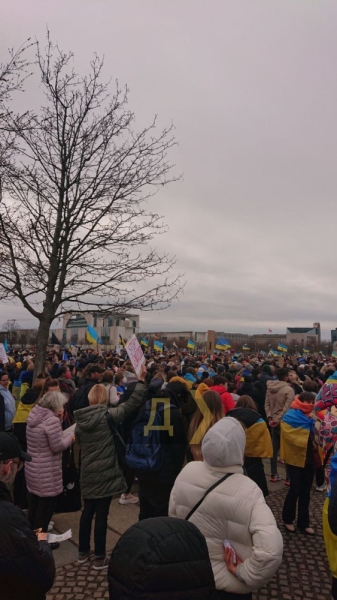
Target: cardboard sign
[
  {"x": 135, "y": 353},
  {"x": 3, "y": 355},
  {"x": 280, "y": 361}
]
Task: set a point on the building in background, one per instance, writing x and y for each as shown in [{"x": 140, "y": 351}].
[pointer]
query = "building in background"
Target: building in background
[
  {"x": 300, "y": 337},
  {"x": 333, "y": 336},
  {"x": 108, "y": 326}
]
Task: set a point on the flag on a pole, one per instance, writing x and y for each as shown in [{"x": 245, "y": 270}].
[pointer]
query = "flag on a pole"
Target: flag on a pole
[
  {"x": 144, "y": 342},
  {"x": 122, "y": 341},
  {"x": 54, "y": 340},
  {"x": 275, "y": 352},
  {"x": 245, "y": 348},
  {"x": 190, "y": 345},
  {"x": 282, "y": 347},
  {"x": 158, "y": 346},
  {"x": 6, "y": 346},
  {"x": 334, "y": 354},
  {"x": 174, "y": 345},
  {"x": 270, "y": 330},
  {"x": 92, "y": 336},
  {"x": 64, "y": 355},
  {"x": 306, "y": 350}
]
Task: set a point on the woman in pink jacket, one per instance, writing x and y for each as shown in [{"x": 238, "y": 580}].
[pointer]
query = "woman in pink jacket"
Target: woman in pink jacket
[{"x": 45, "y": 443}]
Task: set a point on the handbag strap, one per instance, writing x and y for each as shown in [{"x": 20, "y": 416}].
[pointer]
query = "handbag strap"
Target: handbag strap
[
  {"x": 206, "y": 494},
  {"x": 113, "y": 427}
]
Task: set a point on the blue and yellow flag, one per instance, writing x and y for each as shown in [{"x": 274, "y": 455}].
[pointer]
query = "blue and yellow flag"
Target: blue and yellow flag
[
  {"x": 6, "y": 346},
  {"x": 222, "y": 344},
  {"x": 144, "y": 342},
  {"x": 334, "y": 354},
  {"x": 306, "y": 350},
  {"x": 190, "y": 344},
  {"x": 282, "y": 347},
  {"x": 245, "y": 348},
  {"x": 295, "y": 430},
  {"x": 258, "y": 441},
  {"x": 275, "y": 352},
  {"x": 92, "y": 336},
  {"x": 158, "y": 346}
]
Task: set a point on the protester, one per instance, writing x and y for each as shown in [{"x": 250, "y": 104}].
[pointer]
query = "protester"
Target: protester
[
  {"x": 169, "y": 560},
  {"x": 80, "y": 398},
  {"x": 297, "y": 436},
  {"x": 258, "y": 441},
  {"x": 220, "y": 386},
  {"x": 251, "y": 531},
  {"x": 202, "y": 422},
  {"x": 279, "y": 397},
  {"x": 27, "y": 568},
  {"x": 108, "y": 380},
  {"x": 45, "y": 443},
  {"x": 101, "y": 475},
  {"x": 7, "y": 404}
]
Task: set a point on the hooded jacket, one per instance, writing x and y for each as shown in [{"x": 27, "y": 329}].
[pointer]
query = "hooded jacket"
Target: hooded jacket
[
  {"x": 101, "y": 475},
  {"x": 234, "y": 510},
  {"x": 45, "y": 444},
  {"x": 170, "y": 560},
  {"x": 226, "y": 398},
  {"x": 7, "y": 409},
  {"x": 27, "y": 567},
  {"x": 279, "y": 398}
]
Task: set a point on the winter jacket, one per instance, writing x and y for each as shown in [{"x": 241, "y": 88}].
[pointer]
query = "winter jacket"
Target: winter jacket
[
  {"x": 235, "y": 510},
  {"x": 80, "y": 398},
  {"x": 27, "y": 568},
  {"x": 170, "y": 560},
  {"x": 7, "y": 409},
  {"x": 174, "y": 447},
  {"x": 101, "y": 475},
  {"x": 24, "y": 409},
  {"x": 226, "y": 398},
  {"x": 250, "y": 390},
  {"x": 45, "y": 443},
  {"x": 279, "y": 398}
]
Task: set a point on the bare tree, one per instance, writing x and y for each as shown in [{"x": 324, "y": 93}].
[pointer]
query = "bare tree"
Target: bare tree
[{"x": 72, "y": 218}]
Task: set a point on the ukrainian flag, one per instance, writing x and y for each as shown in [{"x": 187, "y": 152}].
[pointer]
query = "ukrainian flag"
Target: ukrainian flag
[
  {"x": 282, "y": 347},
  {"x": 222, "y": 344},
  {"x": 258, "y": 441},
  {"x": 190, "y": 344},
  {"x": 144, "y": 342},
  {"x": 92, "y": 336},
  {"x": 295, "y": 430},
  {"x": 245, "y": 348},
  {"x": 306, "y": 350},
  {"x": 275, "y": 353},
  {"x": 334, "y": 354},
  {"x": 158, "y": 346}
]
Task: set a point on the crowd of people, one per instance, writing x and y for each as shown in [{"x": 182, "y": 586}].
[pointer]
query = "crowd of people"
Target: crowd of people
[{"x": 189, "y": 433}]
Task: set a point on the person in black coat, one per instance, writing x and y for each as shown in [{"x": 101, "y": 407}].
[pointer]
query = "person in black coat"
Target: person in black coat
[
  {"x": 248, "y": 389},
  {"x": 27, "y": 568},
  {"x": 155, "y": 487},
  {"x": 169, "y": 560},
  {"x": 80, "y": 398}
]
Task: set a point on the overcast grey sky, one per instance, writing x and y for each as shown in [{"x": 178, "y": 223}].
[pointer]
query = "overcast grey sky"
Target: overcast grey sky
[{"x": 251, "y": 87}]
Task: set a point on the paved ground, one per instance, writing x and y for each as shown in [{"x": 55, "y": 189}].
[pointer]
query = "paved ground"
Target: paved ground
[{"x": 304, "y": 573}]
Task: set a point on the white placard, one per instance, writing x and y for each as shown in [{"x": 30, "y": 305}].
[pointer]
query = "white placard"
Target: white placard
[
  {"x": 52, "y": 537},
  {"x": 136, "y": 354},
  {"x": 3, "y": 355}
]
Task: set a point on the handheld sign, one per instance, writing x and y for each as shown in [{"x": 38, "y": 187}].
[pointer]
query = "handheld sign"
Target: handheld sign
[
  {"x": 3, "y": 355},
  {"x": 135, "y": 353}
]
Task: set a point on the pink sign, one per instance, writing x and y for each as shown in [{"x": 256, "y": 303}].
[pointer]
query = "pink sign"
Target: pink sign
[{"x": 135, "y": 353}]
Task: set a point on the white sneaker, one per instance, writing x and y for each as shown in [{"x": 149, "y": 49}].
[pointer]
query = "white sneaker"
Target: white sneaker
[
  {"x": 50, "y": 525},
  {"x": 321, "y": 488},
  {"x": 128, "y": 499}
]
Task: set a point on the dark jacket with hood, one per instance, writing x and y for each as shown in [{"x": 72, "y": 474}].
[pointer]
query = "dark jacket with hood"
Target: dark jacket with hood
[
  {"x": 80, "y": 398},
  {"x": 170, "y": 560},
  {"x": 101, "y": 475},
  {"x": 173, "y": 445},
  {"x": 27, "y": 568}
]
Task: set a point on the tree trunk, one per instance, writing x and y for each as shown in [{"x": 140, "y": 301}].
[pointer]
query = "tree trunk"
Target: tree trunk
[{"x": 41, "y": 346}]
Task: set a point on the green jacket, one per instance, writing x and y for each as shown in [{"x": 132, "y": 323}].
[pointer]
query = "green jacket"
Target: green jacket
[{"x": 101, "y": 475}]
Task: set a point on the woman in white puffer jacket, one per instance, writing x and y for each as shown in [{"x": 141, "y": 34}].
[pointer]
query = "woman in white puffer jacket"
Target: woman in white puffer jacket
[{"x": 235, "y": 510}]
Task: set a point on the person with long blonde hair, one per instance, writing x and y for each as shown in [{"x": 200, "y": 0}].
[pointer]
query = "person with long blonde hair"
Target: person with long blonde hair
[{"x": 200, "y": 425}]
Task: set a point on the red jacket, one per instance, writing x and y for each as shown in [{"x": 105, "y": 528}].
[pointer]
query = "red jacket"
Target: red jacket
[{"x": 227, "y": 398}]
